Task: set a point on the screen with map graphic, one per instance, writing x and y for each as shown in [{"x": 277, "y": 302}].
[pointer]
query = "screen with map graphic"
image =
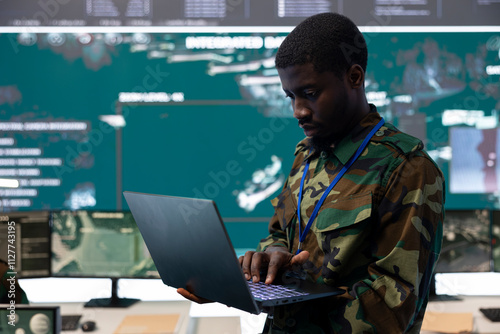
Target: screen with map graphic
[
  {"x": 167, "y": 112},
  {"x": 99, "y": 244},
  {"x": 202, "y": 114}
]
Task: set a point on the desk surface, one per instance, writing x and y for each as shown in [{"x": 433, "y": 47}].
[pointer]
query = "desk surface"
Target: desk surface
[
  {"x": 193, "y": 315},
  {"x": 108, "y": 319},
  {"x": 195, "y": 319},
  {"x": 470, "y": 304}
]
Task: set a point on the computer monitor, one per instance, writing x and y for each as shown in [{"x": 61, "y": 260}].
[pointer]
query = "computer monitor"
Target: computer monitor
[
  {"x": 25, "y": 242},
  {"x": 466, "y": 248},
  {"x": 474, "y": 168},
  {"x": 466, "y": 242},
  {"x": 99, "y": 244}
]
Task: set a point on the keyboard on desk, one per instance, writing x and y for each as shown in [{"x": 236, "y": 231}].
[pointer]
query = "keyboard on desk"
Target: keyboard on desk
[
  {"x": 70, "y": 322},
  {"x": 264, "y": 291},
  {"x": 492, "y": 313}
]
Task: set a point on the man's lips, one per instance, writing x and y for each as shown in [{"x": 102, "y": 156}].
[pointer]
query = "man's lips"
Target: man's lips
[{"x": 309, "y": 129}]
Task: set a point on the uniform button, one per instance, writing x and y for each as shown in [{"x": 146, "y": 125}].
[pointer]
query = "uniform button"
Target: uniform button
[
  {"x": 379, "y": 133},
  {"x": 290, "y": 322}
]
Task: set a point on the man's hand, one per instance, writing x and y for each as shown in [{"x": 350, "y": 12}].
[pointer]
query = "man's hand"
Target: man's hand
[{"x": 273, "y": 259}]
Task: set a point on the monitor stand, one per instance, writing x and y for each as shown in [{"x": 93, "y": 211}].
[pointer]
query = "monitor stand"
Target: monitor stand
[{"x": 114, "y": 300}]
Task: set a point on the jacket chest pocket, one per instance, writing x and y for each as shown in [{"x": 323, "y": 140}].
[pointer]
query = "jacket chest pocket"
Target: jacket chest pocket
[
  {"x": 343, "y": 213},
  {"x": 340, "y": 231}
]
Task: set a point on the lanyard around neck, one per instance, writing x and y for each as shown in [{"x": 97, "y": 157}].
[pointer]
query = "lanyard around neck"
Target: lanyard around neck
[{"x": 302, "y": 235}]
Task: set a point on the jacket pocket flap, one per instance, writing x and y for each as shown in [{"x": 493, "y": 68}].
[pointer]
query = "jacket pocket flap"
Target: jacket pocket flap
[{"x": 343, "y": 212}]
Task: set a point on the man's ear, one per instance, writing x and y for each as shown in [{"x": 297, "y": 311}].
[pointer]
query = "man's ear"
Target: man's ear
[{"x": 356, "y": 76}]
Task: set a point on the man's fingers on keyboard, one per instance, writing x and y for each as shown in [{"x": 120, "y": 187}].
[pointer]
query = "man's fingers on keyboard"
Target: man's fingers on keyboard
[
  {"x": 260, "y": 261},
  {"x": 277, "y": 261},
  {"x": 246, "y": 262}
]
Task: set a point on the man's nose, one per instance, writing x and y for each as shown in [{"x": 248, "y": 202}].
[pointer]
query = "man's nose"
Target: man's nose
[{"x": 300, "y": 109}]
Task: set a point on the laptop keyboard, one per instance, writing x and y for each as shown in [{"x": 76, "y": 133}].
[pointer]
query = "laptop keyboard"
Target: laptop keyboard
[{"x": 264, "y": 291}]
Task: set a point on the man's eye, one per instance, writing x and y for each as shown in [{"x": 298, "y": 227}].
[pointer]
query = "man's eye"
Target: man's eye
[
  {"x": 311, "y": 93},
  {"x": 289, "y": 96}
]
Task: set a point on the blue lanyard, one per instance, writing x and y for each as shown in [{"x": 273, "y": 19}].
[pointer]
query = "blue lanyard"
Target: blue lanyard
[{"x": 302, "y": 235}]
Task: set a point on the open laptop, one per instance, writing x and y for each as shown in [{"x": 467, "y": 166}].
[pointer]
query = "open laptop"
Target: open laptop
[{"x": 191, "y": 249}]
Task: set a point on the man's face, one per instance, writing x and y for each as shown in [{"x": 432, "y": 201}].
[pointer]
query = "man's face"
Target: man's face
[{"x": 320, "y": 101}]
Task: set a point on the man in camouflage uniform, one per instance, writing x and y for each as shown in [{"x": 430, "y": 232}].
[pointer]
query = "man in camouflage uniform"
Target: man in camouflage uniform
[{"x": 378, "y": 232}]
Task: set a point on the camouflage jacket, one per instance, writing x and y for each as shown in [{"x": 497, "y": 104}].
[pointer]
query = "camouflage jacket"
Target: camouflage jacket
[{"x": 378, "y": 233}]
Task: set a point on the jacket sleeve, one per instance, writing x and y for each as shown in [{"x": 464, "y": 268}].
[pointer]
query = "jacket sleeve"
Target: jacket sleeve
[
  {"x": 277, "y": 233},
  {"x": 274, "y": 239},
  {"x": 393, "y": 296}
]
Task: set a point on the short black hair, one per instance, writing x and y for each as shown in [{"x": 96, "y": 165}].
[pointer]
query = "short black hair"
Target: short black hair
[{"x": 330, "y": 41}]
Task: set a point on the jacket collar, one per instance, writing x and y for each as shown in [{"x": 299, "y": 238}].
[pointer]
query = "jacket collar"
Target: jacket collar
[{"x": 347, "y": 146}]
